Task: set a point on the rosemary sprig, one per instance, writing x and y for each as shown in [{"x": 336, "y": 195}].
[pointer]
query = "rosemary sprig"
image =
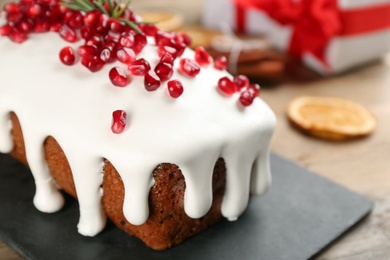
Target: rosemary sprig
[{"x": 114, "y": 12}]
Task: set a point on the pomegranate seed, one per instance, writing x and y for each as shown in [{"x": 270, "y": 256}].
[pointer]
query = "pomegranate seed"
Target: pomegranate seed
[
  {"x": 163, "y": 35},
  {"x": 149, "y": 29},
  {"x": 92, "y": 63},
  {"x": 119, "y": 77},
  {"x": 12, "y": 8},
  {"x": 54, "y": 14},
  {"x": 67, "y": 33},
  {"x": 90, "y": 51},
  {"x": 76, "y": 21},
  {"x": 94, "y": 41},
  {"x": 139, "y": 67},
  {"x": 107, "y": 55},
  {"x": 115, "y": 25},
  {"x": 126, "y": 40},
  {"x": 241, "y": 81},
  {"x": 55, "y": 27},
  {"x": 17, "y": 36},
  {"x": 164, "y": 71},
  {"x": 226, "y": 86},
  {"x": 246, "y": 98},
  {"x": 14, "y": 17},
  {"x": 167, "y": 58},
  {"x": 25, "y": 26},
  {"x": 87, "y": 32},
  {"x": 68, "y": 15},
  {"x": 67, "y": 56},
  {"x": 5, "y": 30},
  {"x": 180, "y": 48},
  {"x": 26, "y": 2},
  {"x": 164, "y": 49},
  {"x": 221, "y": 63},
  {"x": 42, "y": 26},
  {"x": 166, "y": 42},
  {"x": 151, "y": 81},
  {"x": 189, "y": 67},
  {"x": 202, "y": 57},
  {"x": 175, "y": 88},
  {"x": 34, "y": 11},
  {"x": 92, "y": 18},
  {"x": 140, "y": 42},
  {"x": 255, "y": 89},
  {"x": 118, "y": 121},
  {"x": 183, "y": 37},
  {"x": 125, "y": 55}
]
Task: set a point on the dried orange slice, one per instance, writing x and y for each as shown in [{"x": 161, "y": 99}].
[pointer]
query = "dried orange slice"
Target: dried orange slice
[
  {"x": 165, "y": 20},
  {"x": 331, "y": 118}
]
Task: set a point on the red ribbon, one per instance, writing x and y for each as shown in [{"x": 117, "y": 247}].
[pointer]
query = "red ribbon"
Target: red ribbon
[{"x": 316, "y": 22}]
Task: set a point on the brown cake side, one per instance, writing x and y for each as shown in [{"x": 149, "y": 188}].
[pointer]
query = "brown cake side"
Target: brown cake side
[{"x": 167, "y": 224}]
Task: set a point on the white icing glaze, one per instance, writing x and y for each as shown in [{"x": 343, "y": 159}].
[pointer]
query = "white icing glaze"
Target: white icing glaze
[{"x": 75, "y": 107}]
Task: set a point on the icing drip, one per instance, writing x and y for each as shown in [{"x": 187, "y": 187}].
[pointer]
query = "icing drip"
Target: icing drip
[{"x": 75, "y": 107}]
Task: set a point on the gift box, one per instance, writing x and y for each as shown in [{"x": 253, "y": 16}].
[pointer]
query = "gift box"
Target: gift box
[{"x": 329, "y": 36}]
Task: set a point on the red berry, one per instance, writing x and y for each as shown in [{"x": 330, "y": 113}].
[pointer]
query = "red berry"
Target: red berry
[
  {"x": 167, "y": 58},
  {"x": 183, "y": 37},
  {"x": 94, "y": 41},
  {"x": 42, "y": 26},
  {"x": 241, "y": 81},
  {"x": 189, "y": 67},
  {"x": 34, "y": 11},
  {"x": 115, "y": 25},
  {"x": 87, "y": 32},
  {"x": 221, "y": 63},
  {"x": 226, "y": 86},
  {"x": 202, "y": 57},
  {"x": 151, "y": 81},
  {"x": 68, "y": 34},
  {"x": 92, "y": 63},
  {"x": 17, "y": 36},
  {"x": 25, "y": 26},
  {"x": 119, "y": 77},
  {"x": 246, "y": 98},
  {"x": 164, "y": 49},
  {"x": 125, "y": 55},
  {"x": 76, "y": 21},
  {"x": 164, "y": 71},
  {"x": 87, "y": 50},
  {"x": 107, "y": 55},
  {"x": 91, "y": 18},
  {"x": 5, "y": 30},
  {"x": 118, "y": 121},
  {"x": 139, "y": 67},
  {"x": 149, "y": 29},
  {"x": 180, "y": 48},
  {"x": 175, "y": 88},
  {"x": 12, "y": 8},
  {"x": 255, "y": 89},
  {"x": 126, "y": 40},
  {"x": 140, "y": 42},
  {"x": 55, "y": 27},
  {"x": 67, "y": 56}
]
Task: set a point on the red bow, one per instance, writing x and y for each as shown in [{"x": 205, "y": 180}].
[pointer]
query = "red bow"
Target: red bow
[{"x": 315, "y": 22}]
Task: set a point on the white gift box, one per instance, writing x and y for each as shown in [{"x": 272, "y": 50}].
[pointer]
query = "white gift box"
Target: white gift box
[{"x": 364, "y": 31}]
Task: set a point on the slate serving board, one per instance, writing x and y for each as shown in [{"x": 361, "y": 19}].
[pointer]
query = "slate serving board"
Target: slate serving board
[{"x": 301, "y": 215}]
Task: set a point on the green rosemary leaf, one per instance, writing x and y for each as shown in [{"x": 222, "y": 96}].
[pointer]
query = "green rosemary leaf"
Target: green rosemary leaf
[
  {"x": 101, "y": 7},
  {"x": 85, "y": 4},
  {"x": 123, "y": 9},
  {"x": 109, "y": 5},
  {"x": 74, "y": 6},
  {"x": 132, "y": 25}
]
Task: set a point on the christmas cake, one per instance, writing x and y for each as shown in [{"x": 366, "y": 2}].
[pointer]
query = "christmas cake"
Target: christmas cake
[{"x": 129, "y": 120}]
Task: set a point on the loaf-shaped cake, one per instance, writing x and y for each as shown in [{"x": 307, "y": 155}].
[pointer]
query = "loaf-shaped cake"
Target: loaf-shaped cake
[{"x": 129, "y": 120}]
